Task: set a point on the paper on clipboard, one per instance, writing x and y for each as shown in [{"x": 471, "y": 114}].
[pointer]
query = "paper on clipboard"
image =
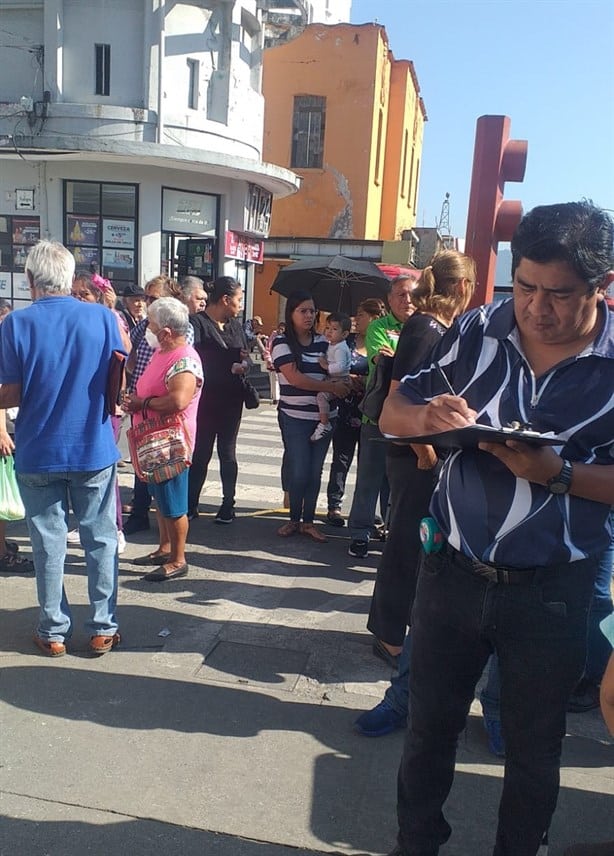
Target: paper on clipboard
[{"x": 471, "y": 435}]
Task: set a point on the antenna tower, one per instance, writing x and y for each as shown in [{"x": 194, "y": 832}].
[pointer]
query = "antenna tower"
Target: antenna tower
[{"x": 443, "y": 225}]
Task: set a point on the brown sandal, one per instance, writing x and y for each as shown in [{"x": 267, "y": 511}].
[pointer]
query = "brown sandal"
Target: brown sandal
[
  {"x": 310, "y": 530},
  {"x": 101, "y": 644},
  {"x": 289, "y": 528}
]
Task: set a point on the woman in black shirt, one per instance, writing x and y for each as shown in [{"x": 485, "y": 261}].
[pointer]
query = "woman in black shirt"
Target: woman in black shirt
[
  {"x": 220, "y": 340},
  {"x": 443, "y": 292}
]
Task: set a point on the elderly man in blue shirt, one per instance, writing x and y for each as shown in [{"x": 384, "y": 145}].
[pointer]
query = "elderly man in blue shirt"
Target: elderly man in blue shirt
[
  {"x": 523, "y": 526},
  {"x": 55, "y": 357}
]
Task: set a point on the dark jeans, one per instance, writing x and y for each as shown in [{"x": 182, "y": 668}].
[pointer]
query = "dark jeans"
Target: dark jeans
[
  {"x": 219, "y": 420},
  {"x": 371, "y": 483},
  {"x": 397, "y": 572},
  {"x": 303, "y": 462},
  {"x": 345, "y": 440},
  {"x": 539, "y": 633}
]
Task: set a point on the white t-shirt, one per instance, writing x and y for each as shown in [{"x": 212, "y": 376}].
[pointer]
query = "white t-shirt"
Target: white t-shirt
[{"x": 339, "y": 359}]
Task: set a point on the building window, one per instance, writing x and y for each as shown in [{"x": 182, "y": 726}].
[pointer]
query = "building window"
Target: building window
[
  {"x": 378, "y": 151},
  {"x": 308, "y": 131},
  {"x": 193, "y": 80},
  {"x": 100, "y": 228},
  {"x": 404, "y": 166},
  {"x": 17, "y": 237},
  {"x": 103, "y": 69}
]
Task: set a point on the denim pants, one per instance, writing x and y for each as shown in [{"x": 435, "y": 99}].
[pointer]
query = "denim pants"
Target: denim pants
[
  {"x": 371, "y": 483},
  {"x": 599, "y": 648},
  {"x": 303, "y": 462},
  {"x": 538, "y": 630},
  {"x": 345, "y": 440},
  {"x": 46, "y": 497}
]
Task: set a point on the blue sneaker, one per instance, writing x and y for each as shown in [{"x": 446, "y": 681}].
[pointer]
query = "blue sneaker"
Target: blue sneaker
[
  {"x": 496, "y": 743},
  {"x": 381, "y": 720}
]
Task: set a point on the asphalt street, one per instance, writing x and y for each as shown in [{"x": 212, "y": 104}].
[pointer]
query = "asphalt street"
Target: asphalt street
[{"x": 222, "y": 725}]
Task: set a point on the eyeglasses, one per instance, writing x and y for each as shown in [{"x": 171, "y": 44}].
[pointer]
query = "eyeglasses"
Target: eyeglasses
[{"x": 81, "y": 295}]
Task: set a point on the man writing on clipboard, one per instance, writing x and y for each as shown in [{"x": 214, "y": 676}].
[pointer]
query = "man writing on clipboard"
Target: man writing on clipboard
[{"x": 524, "y": 526}]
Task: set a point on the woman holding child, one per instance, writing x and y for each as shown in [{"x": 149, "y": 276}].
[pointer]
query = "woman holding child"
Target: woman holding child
[{"x": 296, "y": 356}]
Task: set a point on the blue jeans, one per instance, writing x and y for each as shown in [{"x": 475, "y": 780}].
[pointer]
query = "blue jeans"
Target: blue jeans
[
  {"x": 371, "y": 483},
  {"x": 302, "y": 462},
  {"x": 538, "y": 630},
  {"x": 599, "y": 648},
  {"x": 46, "y": 497}
]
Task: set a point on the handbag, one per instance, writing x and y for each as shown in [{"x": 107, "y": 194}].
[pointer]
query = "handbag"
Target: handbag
[
  {"x": 160, "y": 447},
  {"x": 115, "y": 381},
  {"x": 377, "y": 389},
  {"x": 11, "y": 505},
  {"x": 251, "y": 397}
]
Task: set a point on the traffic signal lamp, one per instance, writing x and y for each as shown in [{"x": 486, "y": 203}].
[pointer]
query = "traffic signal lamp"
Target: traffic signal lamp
[{"x": 491, "y": 219}]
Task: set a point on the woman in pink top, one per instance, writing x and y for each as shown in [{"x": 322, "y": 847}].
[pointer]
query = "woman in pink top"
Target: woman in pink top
[{"x": 171, "y": 383}]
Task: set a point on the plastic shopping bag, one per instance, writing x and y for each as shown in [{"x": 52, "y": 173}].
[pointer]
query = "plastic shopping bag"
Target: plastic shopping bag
[{"x": 11, "y": 506}]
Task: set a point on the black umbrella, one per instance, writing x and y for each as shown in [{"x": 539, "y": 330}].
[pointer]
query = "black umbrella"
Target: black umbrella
[{"x": 336, "y": 283}]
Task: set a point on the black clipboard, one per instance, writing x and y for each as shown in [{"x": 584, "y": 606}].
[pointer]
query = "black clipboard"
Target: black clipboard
[{"x": 469, "y": 437}]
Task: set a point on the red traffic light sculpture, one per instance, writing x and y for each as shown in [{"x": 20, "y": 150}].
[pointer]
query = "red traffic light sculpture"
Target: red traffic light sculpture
[{"x": 490, "y": 219}]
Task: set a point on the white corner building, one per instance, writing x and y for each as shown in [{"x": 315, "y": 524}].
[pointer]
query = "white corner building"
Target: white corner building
[{"x": 131, "y": 130}]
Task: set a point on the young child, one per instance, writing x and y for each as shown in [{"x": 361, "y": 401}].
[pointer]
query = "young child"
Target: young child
[{"x": 337, "y": 363}]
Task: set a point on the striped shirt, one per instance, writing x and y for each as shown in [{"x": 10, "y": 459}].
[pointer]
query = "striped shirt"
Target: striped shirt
[
  {"x": 482, "y": 508},
  {"x": 300, "y": 403}
]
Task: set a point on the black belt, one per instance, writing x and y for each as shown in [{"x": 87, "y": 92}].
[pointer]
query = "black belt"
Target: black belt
[{"x": 493, "y": 573}]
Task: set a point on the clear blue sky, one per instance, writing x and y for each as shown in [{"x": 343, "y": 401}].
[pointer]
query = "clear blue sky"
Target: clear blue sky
[{"x": 547, "y": 64}]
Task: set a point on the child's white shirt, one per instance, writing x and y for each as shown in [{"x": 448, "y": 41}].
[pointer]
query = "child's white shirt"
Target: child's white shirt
[{"x": 339, "y": 359}]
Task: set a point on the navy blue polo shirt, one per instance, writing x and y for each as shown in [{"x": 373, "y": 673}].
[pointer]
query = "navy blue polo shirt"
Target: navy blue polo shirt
[{"x": 483, "y": 509}]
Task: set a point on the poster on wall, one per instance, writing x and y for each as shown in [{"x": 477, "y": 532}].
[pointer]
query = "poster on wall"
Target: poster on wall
[
  {"x": 5, "y": 285},
  {"x": 25, "y": 231},
  {"x": 81, "y": 230},
  {"x": 21, "y": 288},
  {"x": 118, "y": 233},
  {"x": 123, "y": 259},
  {"x": 20, "y": 255},
  {"x": 85, "y": 256}
]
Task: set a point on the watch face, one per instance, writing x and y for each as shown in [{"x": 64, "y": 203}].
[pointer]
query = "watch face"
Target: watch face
[{"x": 559, "y": 487}]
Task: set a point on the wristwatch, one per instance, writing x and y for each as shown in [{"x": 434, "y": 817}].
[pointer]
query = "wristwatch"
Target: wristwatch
[{"x": 561, "y": 483}]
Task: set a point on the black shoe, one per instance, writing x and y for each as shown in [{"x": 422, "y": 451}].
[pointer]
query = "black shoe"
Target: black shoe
[
  {"x": 136, "y": 524},
  {"x": 358, "y": 548},
  {"x": 226, "y": 514},
  {"x": 334, "y": 518},
  {"x": 585, "y": 697}
]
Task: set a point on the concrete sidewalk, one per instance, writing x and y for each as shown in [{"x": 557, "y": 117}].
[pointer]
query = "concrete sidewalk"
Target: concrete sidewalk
[{"x": 223, "y": 723}]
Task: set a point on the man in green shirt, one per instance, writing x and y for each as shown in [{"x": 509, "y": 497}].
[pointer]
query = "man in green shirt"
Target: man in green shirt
[{"x": 382, "y": 338}]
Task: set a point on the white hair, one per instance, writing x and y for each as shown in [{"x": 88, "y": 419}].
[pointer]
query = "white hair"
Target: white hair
[
  {"x": 51, "y": 267},
  {"x": 170, "y": 312}
]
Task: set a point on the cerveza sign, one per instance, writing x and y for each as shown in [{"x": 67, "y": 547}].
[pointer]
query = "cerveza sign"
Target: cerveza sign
[{"x": 194, "y": 213}]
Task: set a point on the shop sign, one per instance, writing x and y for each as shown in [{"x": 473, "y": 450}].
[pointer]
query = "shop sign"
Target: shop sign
[
  {"x": 118, "y": 259},
  {"x": 243, "y": 247},
  {"x": 258, "y": 210},
  {"x": 118, "y": 233},
  {"x": 194, "y": 213}
]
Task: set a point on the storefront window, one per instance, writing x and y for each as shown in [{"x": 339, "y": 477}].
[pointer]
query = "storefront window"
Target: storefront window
[
  {"x": 101, "y": 228},
  {"x": 17, "y": 236}
]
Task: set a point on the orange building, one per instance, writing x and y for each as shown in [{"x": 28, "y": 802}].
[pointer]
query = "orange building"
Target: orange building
[{"x": 346, "y": 116}]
